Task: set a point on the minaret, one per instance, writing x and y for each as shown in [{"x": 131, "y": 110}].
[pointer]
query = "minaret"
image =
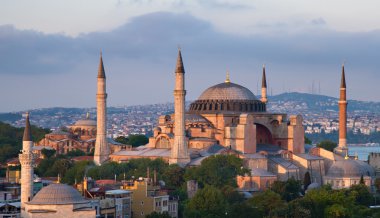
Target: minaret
[
  {"x": 27, "y": 161},
  {"x": 101, "y": 146},
  {"x": 264, "y": 87},
  {"x": 179, "y": 150},
  {"x": 342, "y": 146}
]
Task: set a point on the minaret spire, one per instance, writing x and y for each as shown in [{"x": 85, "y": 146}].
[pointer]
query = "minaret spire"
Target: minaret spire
[
  {"x": 27, "y": 161},
  {"x": 179, "y": 149},
  {"x": 342, "y": 146},
  {"x": 264, "y": 98},
  {"x": 101, "y": 146},
  {"x": 27, "y": 131},
  {"x": 101, "y": 72}
]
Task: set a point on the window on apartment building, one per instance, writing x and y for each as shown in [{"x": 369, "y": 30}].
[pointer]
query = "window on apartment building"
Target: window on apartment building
[
  {"x": 142, "y": 213},
  {"x": 165, "y": 203},
  {"x": 142, "y": 202}
]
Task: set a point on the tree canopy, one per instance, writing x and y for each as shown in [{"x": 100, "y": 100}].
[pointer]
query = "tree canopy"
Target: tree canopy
[
  {"x": 134, "y": 140},
  {"x": 328, "y": 145}
]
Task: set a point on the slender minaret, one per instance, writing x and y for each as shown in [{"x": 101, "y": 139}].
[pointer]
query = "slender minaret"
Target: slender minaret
[
  {"x": 27, "y": 161},
  {"x": 179, "y": 150},
  {"x": 101, "y": 146},
  {"x": 342, "y": 146},
  {"x": 264, "y": 87}
]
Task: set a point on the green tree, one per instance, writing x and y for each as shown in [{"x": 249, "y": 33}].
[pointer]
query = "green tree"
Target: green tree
[
  {"x": 59, "y": 167},
  {"x": 158, "y": 215},
  {"x": 122, "y": 140},
  {"x": 337, "y": 211},
  {"x": 269, "y": 204},
  {"x": 137, "y": 140},
  {"x": 77, "y": 172},
  {"x": 306, "y": 180},
  {"x": 361, "y": 180},
  {"x": 308, "y": 141},
  {"x": 173, "y": 176},
  {"x": 75, "y": 153},
  {"x": 11, "y": 140},
  {"x": 361, "y": 194},
  {"x": 327, "y": 144},
  {"x": 288, "y": 190},
  {"x": 217, "y": 170},
  {"x": 207, "y": 202},
  {"x": 48, "y": 153}
]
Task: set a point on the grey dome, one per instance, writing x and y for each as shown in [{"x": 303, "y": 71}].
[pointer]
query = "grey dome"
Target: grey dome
[
  {"x": 227, "y": 91},
  {"x": 86, "y": 122},
  {"x": 57, "y": 193},
  {"x": 350, "y": 168}
]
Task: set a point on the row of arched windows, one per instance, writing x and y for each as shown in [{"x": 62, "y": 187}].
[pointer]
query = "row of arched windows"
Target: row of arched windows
[{"x": 251, "y": 106}]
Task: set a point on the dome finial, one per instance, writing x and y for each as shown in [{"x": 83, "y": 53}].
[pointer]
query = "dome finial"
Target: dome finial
[
  {"x": 346, "y": 157},
  {"x": 227, "y": 77}
]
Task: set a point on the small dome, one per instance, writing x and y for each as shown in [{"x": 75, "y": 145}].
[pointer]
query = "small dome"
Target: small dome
[
  {"x": 57, "y": 193},
  {"x": 227, "y": 91},
  {"x": 350, "y": 168},
  {"x": 86, "y": 122},
  {"x": 158, "y": 129}
]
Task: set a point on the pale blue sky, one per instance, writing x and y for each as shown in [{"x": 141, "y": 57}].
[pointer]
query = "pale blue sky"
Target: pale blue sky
[{"x": 49, "y": 49}]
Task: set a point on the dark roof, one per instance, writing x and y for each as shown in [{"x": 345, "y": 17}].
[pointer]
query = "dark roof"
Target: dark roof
[
  {"x": 101, "y": 72},
  {"x": 179, "y": 67},
  {"x": 27, "y": 131},
  {"x": 264, "y": 79},
  {"x": 343, "y": 79}
]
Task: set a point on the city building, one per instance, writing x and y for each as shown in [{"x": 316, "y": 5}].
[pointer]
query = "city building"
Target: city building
[{"x": 148, "y": 197}]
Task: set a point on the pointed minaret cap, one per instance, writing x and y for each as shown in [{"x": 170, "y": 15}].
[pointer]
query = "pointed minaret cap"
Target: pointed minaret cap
[
  {"x": 27, "y": 131},
  {"x": 101, "y": 73},
  {"x": 179, "y": 67},
  {"x": 343, "y": 79},
  {"x": 227, "y": 77},
  {"x": 264, "y": 79}
]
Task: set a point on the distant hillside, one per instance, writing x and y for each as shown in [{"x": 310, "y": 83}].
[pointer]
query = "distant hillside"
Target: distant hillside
[
  {"x": 9, "y": 117},
  {"x": 319, "y": 103}
]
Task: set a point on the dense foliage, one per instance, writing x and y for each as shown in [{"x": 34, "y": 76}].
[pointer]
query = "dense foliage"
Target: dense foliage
[
  {"x": 11, "y": 140},
  {"x": 217, "y": 196},
  {"x": 328, "y": 145},
  {"x": 134, "y": 140}
]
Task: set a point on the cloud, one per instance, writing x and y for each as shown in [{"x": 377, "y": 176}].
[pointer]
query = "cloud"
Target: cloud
[{"x": 143, "y": 51}]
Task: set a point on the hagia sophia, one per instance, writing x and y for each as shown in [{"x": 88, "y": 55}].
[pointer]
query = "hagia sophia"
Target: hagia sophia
[{"x": 227, "y": 118}]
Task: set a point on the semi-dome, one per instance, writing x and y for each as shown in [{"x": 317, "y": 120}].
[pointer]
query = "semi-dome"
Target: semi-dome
[
  {"x": 350, "y": 168},
  {"x": 227, "y": 91},
  {"x": 57, "y": 193},
  {"x": 227, "y": 97}
]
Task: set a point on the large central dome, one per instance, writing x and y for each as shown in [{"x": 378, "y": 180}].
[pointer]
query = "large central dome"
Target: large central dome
[
  {"x": 225, "y": 98},
  {"x": 227, "y": 91}
]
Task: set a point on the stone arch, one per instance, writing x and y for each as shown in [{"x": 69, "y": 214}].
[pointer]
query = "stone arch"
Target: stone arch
[
  {"x": 163, "y": 142},
  {"x": 263, "y": 134}
]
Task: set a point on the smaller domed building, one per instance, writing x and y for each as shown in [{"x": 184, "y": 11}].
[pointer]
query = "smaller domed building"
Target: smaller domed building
[
  {"x": 348, "y": 172},
  {"x": 58, "y": 200},
  {"x": 80, "y": 136}
]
